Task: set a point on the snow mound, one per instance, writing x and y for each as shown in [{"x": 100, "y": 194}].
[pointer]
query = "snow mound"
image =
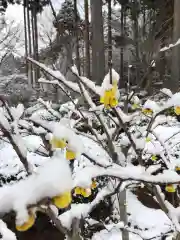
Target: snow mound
[{"x": 51, "y": 179}]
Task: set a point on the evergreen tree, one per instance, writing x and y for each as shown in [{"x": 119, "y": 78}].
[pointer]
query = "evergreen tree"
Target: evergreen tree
[{"x": 66, "y": 16}]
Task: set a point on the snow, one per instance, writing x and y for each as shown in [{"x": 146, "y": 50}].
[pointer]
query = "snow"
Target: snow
[
  {"x": 53, "y": 176},
  {"x": 77, "y": 210},
  {"x": 174, "y": 100},
  {"x": 93, "y": 150},
  {"x": 151, "y": 222},
  {"x": 106, "y": 84},
  {"x": 166, "y": 92},
  {"x": 84, "y": 176},
  {"x": 81, "y": 210},
  {"x": 51, "y": 179},
  {"x": 126, "y": 117},
  {"x": 165, "y": 133},
  {"x": 17, "y": 112},
  {"x": 170, "y": 46},
  {"x": 155, "y": 220},
  {"x": 57, "y": 75},
  {"x": 149, "y": 104},
  {"x": 48, "y": 106},
  {"x": 33, "y": 143},
  {"x": 74, "y": 142},
  {"x": 113, "y": 235},
  {"x": 153, "y": 63},
  {"x": 6, "y": 233},
  {"x": 20, "y": 144},
  {"x": 3, "y": 121},
  {"x": 91, "y": 85}
]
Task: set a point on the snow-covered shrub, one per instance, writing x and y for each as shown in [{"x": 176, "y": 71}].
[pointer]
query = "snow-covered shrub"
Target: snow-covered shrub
[{"x": 96, "y": 155}]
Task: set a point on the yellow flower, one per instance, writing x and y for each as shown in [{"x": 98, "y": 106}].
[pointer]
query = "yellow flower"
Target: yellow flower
[
  {"x": 77, "y": 191},
  {"x": 170, "y": 188},
  {"x": 135, "y": 106},
  {"x": 147, "y": 111},
  {"x": 177, "y": 110},
  {"x": 177, "y": 168},
  {"x": 62, "y": 201},
  {"x": 93, "y": 185},
  {"x": 58, "y": 143},
  {"x": 70, "y": 155},
  {"x": 82, "y": 191},
  {"x": 148, "y": 139},
  {"x": 27, "y": 225},
  {"x": 109, "y": 98},
  {"x": 85, "y": 192},
  {"x": 154, "y": 158}
]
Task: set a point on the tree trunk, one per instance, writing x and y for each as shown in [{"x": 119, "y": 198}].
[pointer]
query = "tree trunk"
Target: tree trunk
[
  {"x": 136, "y": 38},
  {"x": 29, "y": 41},
  {"x": 86, "y": 38},
  {"x": 177, "y": 237},
  {"x": 77, "y": 37},
  {"x": 122, "y": 49},
  {"x": 25, "y": 36},
  {"x": 175, "y": 70},
  {"x": 109, "y": 40},
  {"x": 33, "y": 44},
  {"x": 36, "y": 41},
  {"x": 98, "y": 56},
  {"x": 123, "y": 213}
]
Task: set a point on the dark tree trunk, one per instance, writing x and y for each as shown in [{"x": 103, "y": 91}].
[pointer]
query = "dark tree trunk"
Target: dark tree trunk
[
  {"x": 77, "y": 37},
  {"x": 29, "y": 41},
  {"x": 98, "y": 56},
  {"x": 25, "y": 35},
  {"x": 36, "y": 40},
  {"x": 136, "y": 38},
  {"x": 33, "y": 43},
  {"x": 86, "y": 37},
  {"x": 122, "y": 49},
  {"x": 109, "y": 40},
  {"x": 175, "y": 72}
]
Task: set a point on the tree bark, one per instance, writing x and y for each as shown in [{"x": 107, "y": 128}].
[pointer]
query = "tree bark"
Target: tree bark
[
  {"x": 29, "y": 41},
  {"x": 109, "y": 40},
  {"x": 98, "y": 55},
  {"x": 175, "y": 69},
  {"x": 36, "y": 40},
  {"x": 34, "y": 69},
  {"x": 25, "y": 36},
  {"x": 77, "y": 37},
  {"x": 136, "y": 38},
  {"x": 123, "y": 213},
  {"x": 86, "y": 38},
  {"x": 122, "y": 49}
]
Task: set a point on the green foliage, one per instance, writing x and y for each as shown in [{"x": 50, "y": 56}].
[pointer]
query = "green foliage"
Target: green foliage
[
  {"x": 66, "y": 13},
  {"x": 66, "y": 17}
]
